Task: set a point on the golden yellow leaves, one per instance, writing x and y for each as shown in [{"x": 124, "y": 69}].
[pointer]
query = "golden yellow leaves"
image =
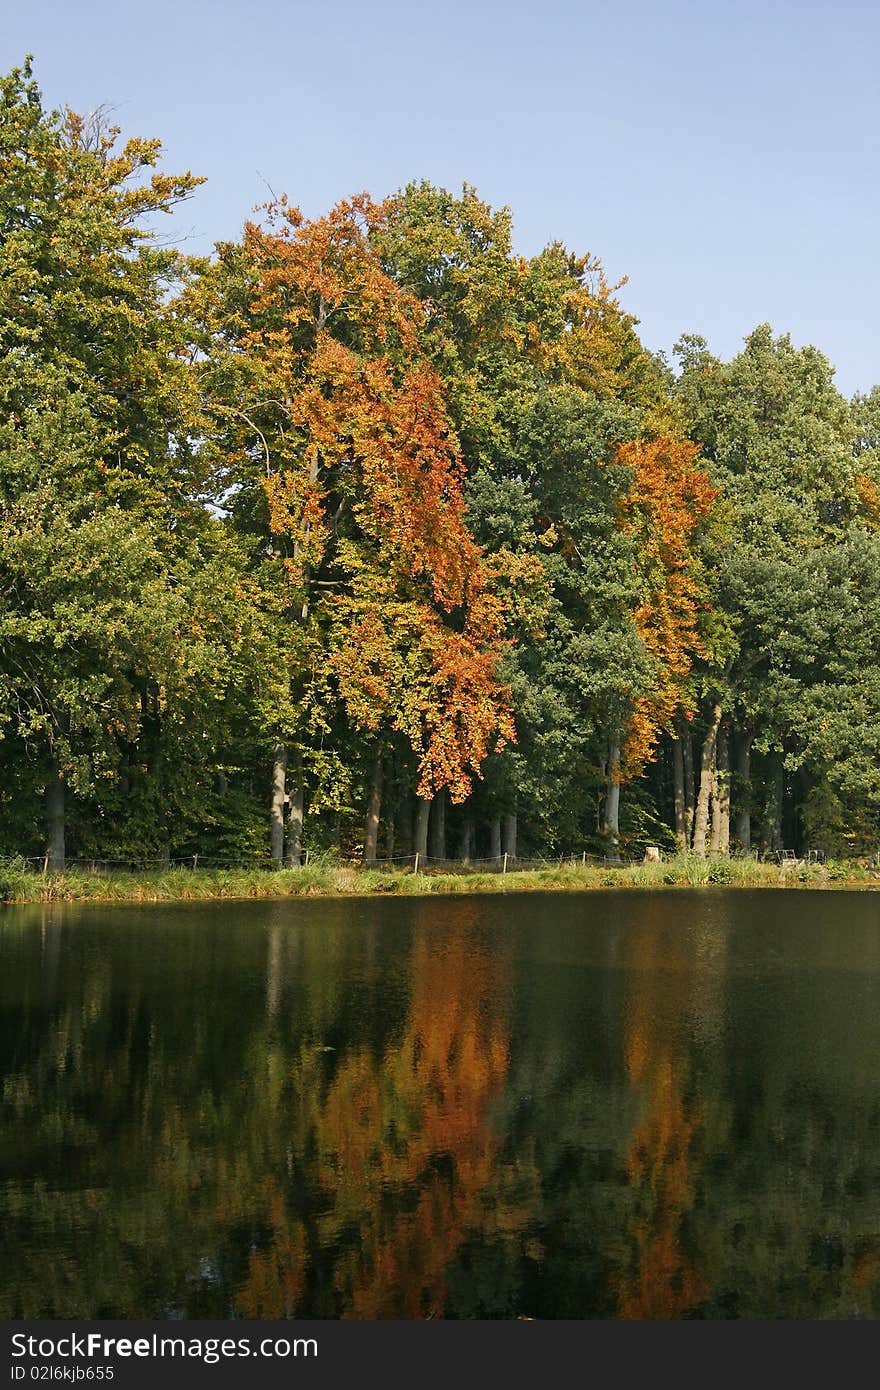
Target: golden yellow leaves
[{"x": 666, "y": 503}]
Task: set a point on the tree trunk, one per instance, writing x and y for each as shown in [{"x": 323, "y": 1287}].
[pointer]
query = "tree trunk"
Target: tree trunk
[
  {"x": 438, "y": 826},
  {"x": 773, "y": 822},
  {"x": 389, "y": 836},
  {"x": 681, "y": 835},
  {"x": 508, "y": 841},
  {"x": 374, "y": 807},
  {"x": 687, "y": 749},
  {"x": 293, "y": 849},
  {"x": 721, "y": 798},
  {"x": 55, "y": 799},
  {"x": 612, "y": 803},
  {"x": 724, "y": 797},
  {"x": 707, "y": 778},
  {"x": 743, "y": 790},
  {"x": 495, "y": 837},
  {"x": 420, "y": 831},
  {"x": 466, "y": 844},
  {"x": 276, "y": 827},
  {"x": 714, "y": 819}
]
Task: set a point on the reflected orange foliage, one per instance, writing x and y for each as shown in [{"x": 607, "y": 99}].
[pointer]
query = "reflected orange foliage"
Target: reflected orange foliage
[
  {"x": 865, "y": 1273},
  {"x": 407, "y": 1154},
  {"x": 276, "y": 1274},
  {"x": 661, "y": 1281},
  {"x": 437, "y": 1086}
]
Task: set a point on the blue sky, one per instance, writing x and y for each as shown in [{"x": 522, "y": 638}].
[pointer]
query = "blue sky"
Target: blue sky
[{"x": 724, "y": 156}]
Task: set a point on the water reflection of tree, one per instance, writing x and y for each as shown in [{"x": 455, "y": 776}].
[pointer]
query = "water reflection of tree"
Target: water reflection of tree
[
  {"x": 407, "y": 1162},
  {"x": 789, "y": 1214},
  {"x": 754, "y": 1181},
  {"x": 326, "y": 1146},
  {"x": 659, "y": 1278},
  {"x": 416, "y": 1114}
]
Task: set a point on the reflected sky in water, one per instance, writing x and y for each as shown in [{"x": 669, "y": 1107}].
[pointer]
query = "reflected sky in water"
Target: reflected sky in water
[{"x": 633, "y": 1105}]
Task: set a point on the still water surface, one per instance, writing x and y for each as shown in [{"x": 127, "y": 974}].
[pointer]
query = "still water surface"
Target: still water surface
[{"x": 601, "y": 1105}]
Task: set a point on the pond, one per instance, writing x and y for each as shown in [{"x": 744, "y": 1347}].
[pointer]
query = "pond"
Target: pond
[{"x": 624, "y": 1105}]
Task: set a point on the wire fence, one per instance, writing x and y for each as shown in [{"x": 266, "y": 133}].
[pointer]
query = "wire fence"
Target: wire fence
[
  {"x": 415, "y": 863},
  {"x": 137, "y": 865},
  {"x": 399, "y": 863},
  {"x": 499, "y": 863}
]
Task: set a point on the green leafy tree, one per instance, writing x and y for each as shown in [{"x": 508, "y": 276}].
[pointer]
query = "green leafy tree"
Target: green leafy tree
[
  {"x": 114, "y": 644},
  {"x": 778, "y": 439}
]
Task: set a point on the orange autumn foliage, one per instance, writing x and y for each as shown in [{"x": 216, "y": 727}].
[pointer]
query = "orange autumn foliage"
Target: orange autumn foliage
[
  {"x": 363, "y": 480},
  {"x": 667, "y": 501},
  {"x": 869, "y": 496}
]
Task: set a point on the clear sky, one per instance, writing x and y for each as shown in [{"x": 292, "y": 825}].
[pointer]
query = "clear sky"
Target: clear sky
[{"x": 724, "y": 154}]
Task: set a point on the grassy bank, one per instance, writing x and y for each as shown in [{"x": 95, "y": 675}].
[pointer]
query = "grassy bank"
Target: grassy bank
[{"x": 20, "y": 885}]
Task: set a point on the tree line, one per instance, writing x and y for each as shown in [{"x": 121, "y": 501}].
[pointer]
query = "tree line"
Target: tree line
[{"x": 368, "y": 533}]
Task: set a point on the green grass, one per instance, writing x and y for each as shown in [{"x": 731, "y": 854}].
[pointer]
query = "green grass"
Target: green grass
[{"x": 19, "y": 884}]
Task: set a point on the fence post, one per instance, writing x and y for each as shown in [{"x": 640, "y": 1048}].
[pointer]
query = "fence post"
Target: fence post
[
  {"x": 504, "y": 870},
  {"x": 416, "y": 864},
  {"x": 584, "y": 859},
  {"x": 195, "y": 861}
]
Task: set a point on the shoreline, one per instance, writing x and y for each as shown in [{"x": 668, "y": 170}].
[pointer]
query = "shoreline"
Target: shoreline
[{"x": 344, "y": 881}]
